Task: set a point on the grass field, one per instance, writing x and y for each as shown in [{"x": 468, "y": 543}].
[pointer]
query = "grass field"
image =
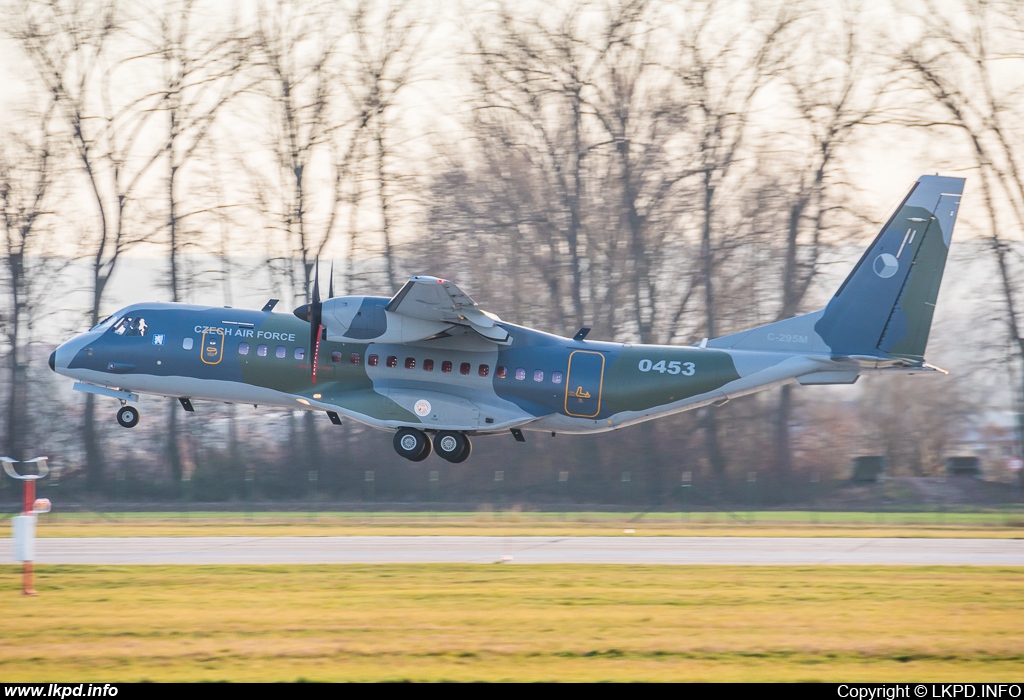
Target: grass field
[
  {"x": 507, "y": 523},
  {"x": 499, "y": 622}
]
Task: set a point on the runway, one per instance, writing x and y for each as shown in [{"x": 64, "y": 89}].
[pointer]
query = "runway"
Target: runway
[{"x": 756, "y": 551}]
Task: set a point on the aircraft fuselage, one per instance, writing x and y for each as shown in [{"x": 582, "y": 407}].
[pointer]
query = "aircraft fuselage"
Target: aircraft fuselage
[{"x": 538, "y": 381}]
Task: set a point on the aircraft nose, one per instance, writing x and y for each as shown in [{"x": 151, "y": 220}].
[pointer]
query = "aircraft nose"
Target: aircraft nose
[{"x": 61, "y": 358}]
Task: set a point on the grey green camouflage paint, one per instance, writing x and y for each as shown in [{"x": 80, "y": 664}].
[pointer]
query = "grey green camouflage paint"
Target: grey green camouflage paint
[{"x": 878, "y": 321}]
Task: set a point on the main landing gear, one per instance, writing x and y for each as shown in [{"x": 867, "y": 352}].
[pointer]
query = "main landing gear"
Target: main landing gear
[
  {"x": 455, "y": 447},
  {"x": 415, "y": 446},
  {"x": 412, "y": 444},
  {"x": 128, "y": 416}
]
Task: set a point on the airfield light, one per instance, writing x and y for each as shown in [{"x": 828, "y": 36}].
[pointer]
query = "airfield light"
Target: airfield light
[{"x": 23, "y": 527}]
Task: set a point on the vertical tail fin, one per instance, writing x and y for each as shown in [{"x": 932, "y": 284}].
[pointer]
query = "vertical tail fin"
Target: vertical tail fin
[{"x": 885, "y": 306}]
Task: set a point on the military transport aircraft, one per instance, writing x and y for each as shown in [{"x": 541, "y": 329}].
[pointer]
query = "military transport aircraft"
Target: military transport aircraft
[{"x": 433, "y": 367}]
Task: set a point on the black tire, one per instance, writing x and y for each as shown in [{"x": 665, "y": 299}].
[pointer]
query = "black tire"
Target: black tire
[
  {"x": 128, "y": 416},
  {"x": 450, "y": 445},
  {"x": 466, "y": 452},
  {"x": 412, "y": 444}
]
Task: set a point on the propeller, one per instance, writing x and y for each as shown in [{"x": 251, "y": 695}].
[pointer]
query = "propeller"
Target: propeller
[{"x": 313, "y": 313}]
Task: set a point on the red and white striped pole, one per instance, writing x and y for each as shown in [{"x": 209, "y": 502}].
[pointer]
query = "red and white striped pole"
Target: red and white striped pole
[{"x": 25, "y": 525}]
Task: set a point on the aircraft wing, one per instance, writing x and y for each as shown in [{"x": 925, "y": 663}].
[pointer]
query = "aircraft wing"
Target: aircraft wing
[{"x": 433, "y": 299}]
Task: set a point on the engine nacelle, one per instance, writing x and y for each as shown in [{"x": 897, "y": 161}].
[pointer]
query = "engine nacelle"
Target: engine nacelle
[{"x": 365, "y": 318}]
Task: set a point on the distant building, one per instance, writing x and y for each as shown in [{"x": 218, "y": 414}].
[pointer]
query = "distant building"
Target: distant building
[{"x": 993, "y": 441}]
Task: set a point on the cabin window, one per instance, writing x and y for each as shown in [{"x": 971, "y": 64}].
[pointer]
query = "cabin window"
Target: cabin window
[
  {"x": 556, "y": 377},
  {"x": 464, "y": 368},
  {"x": 520, "y": 374},
  {"x": 336, "y": 356},
  {"x": 371, "y": 360},
  {"x": 428, "y": 365},
  {"x": 500, "y": 372},
  {"x": 392, "y": 361},
  {"x": 243, "y": 348},
  {"x": 186, "y": 344},
  {"x": 446, "y": 366},
  {"x": 410, "y": 363},
  {"x": 300, "y": 353},
  {"x": 484, "y": 370},
  {"x": 281, "y": 352},
  {"x": 538, "y": 375},
  {"x": 355, "y": 359},
  {"x": 261, "y": 350}
]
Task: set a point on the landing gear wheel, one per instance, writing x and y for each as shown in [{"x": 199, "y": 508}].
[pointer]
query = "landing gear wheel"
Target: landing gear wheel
[
  {"x": 455, "y": 447},
  {"x": 412, "y": 444},
  {"x": 128, "y": 416}
]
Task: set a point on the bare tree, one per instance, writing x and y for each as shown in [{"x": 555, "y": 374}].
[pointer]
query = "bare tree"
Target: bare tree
[
  {"x": 836, "y": 88},
  {"x": 724, "y": 65},
  {"x": 968, "y": 65},
  {"x": 529, "y": 76},
  {"x": 387, "y": 47},
  {"x": 331, "y": 77},
  {"x": 200, "y": 71},
  {"x": 28, "y": 169},
  {"x": 642, "y": 109},
  {"x": 70, "y": 45}
]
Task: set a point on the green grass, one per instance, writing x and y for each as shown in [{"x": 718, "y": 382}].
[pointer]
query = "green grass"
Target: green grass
[
  {"x": 1006, "y": 524},
  {"x": 500, "y": 622}
]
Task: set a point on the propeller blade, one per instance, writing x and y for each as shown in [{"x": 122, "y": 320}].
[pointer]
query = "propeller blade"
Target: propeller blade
[
  {"x": 315, "y": 321},
  {"x": 316, "y": 282},
  {"x": 330, "y": 292},
  {"x": 316, "y": 350}
]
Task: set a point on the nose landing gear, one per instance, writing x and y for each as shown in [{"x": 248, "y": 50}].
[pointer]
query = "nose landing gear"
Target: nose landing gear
[{"x": 128, "y": 416}]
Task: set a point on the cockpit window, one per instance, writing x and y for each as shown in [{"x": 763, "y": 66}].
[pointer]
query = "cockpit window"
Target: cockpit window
[
  {"x": 131, "y": 326},
  {"x": 102, "y": 323}
]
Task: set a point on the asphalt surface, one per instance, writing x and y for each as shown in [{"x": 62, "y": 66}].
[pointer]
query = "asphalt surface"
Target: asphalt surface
[{"x": 764, "y": 551}]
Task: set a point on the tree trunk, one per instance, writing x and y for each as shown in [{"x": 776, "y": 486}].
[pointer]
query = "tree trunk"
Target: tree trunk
[
  {"x": 173, "y": 448},
  {"x": 716, "y": 457},
  {"x": 783, "y": 462},
  {"x": 15, "y": 401},
  {"x": 314, "y": 453},
  {"x": 93, "y": 453}
]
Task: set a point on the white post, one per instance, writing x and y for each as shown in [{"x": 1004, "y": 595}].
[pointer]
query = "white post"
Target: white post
[{"x": 24, "y": 526}]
